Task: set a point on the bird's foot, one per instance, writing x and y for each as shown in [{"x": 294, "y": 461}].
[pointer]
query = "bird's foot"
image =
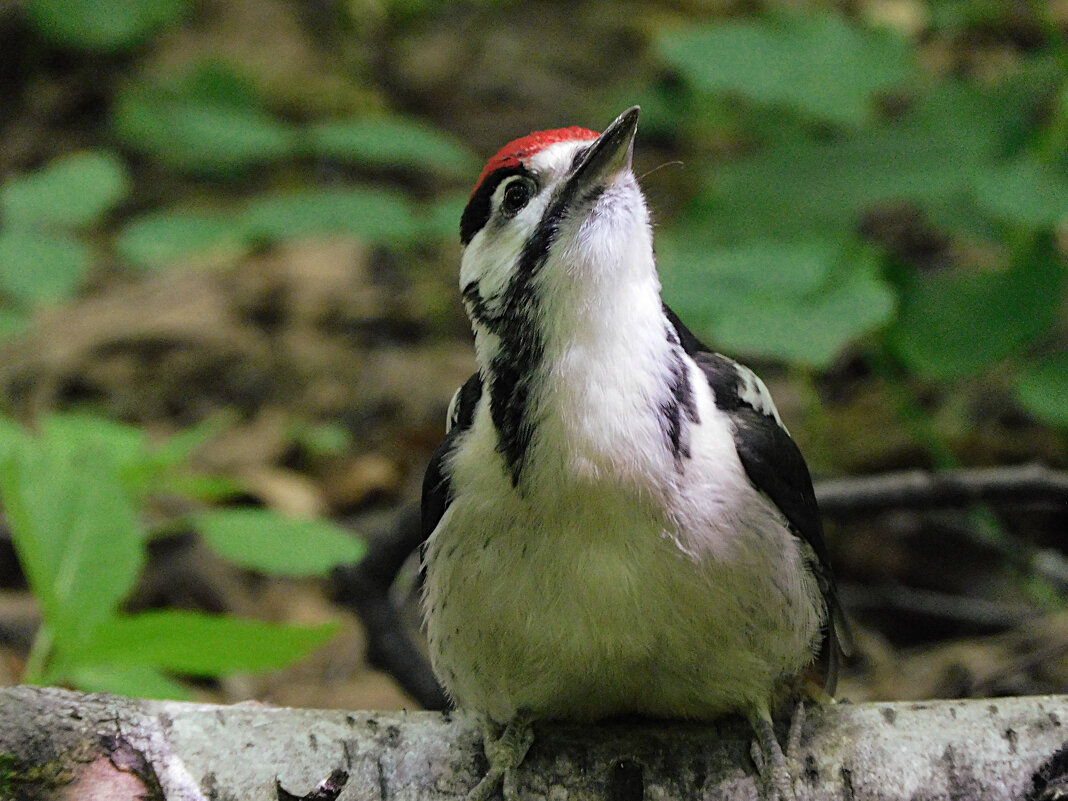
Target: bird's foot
[
  {"x": 778, "y": 769},
  {"x": 505, "y": 748}
]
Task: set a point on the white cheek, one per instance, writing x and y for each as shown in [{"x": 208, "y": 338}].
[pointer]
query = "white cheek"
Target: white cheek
[
  {"x": 491, "y": 257},
  {"x": 487, "y": 262}
]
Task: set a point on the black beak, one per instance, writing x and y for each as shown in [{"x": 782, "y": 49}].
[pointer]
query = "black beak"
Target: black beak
[{"x": 610, "y": 154}]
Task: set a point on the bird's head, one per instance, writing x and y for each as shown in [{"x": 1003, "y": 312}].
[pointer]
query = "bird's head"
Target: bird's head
[
  {"x": 553, "y": 213},
  {"x": 559, "y": 279}
]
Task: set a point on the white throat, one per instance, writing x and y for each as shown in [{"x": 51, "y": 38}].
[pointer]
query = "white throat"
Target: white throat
[{"x": 607, "y": 358}]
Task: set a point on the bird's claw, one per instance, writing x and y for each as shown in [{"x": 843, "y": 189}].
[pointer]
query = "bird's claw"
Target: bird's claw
[
  {"x": 505, "y": 750},
  {"x": 777, "y": 769}
]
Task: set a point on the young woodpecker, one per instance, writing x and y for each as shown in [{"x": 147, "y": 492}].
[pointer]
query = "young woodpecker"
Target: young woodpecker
[{"x": 618, "y": 522}]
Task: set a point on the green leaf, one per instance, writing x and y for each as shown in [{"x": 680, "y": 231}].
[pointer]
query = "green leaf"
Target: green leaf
[
  {"x": 1042, "y": 389},
  {"x": 125, "y": 444},
  {"x": 41, "y": 268},
  {"x": 320, "y": 439},
  {"x": 951, "y": 326},
  {"x": 172, "y": 462},
  {"x": 180, "y": 447},
  {"x": 800, "y": 187},
  {"x": 12, "y": 435},
  {"x": 115, "y": 25},
  {"x": 1025, "y": 192},
  {"x": 788, "y": 269},
  {"x": 200, "y": 487},
  {"x": 377, "y": 215},
  {"x": 71, "y": 191},
  {"x": 75, "y": 531},
  {"x": 220, "y": 82},
  {"x": 272, "y": 543},
  {"x": 812, "y": 332},
  {"x": 161, "y": 238},
  {"x": 392, "y": 142},
  {"x": 133, "y": 681},
  {"x": 802, "y": 302},
  {"x": 137, "y": 463},
  {"x": 201, "y": 645},
  {"x": 816, "y": 62},
  {"x": 143, "y": 466},
  {"x": 199, "y": 133}
]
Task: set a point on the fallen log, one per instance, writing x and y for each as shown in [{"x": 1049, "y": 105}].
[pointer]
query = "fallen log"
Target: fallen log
[{"x": 58, "y": 744}]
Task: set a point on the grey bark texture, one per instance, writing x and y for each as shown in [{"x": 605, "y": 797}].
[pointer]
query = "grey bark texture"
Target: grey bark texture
[
  {"x": 1013, "y": 486},
  {"x": 57, "y": 744}
]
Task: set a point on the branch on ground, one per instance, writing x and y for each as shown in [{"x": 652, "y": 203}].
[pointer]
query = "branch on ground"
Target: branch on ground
[
  {"x": 921, "y": 489},
  {"x": 65, "y": 745}
]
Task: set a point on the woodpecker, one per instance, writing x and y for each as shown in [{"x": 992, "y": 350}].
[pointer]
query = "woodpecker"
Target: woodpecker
[{"x": 617, "y": 521}]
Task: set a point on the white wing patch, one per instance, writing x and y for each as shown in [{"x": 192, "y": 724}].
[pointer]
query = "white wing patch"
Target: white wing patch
[
  {"x": 754, "y": 392},
  {"x": 453, "y": 414}
]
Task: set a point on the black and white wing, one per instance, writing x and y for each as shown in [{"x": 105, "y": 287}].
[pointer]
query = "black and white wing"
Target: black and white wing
[
  {"x": 437, "y": 490},
  {"x": 774, "y": 464}
]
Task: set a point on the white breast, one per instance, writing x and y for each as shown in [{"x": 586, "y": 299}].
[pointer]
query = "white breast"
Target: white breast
[{"x": 606, "y": 585}]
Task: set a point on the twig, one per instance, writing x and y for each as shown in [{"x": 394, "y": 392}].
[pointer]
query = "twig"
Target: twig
[
  {"x": 963, "y": 613},
  {"x": 920, "y": 489},
  {"x": 365, "y": 588}
]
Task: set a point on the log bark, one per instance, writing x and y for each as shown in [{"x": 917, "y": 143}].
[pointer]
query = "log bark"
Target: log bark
[
  {"x": 57, "y": 744},
  {"x": 1012, "y": 486}
]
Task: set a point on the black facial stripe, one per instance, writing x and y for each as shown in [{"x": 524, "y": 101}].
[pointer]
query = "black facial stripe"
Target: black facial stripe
[
  {"x": 516, "y": 324},
  {"x": 470, "y": 393},
  {"x": 477, "y": 211},
  {"x": 679, "y": 406},
  {"x": 476, "y": 306},
  {"x": 513, "y": 368},
  {"x": 521, "y": 346}
]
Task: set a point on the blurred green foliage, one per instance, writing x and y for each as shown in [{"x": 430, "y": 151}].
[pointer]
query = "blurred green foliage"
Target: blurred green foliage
[
  {"x": 378, "y": 215},
  {"x": 209, "y": 122},
  {"x": 816, "y": 63},
  {"x": 72, "y": 192},
  {"x": 821, "y": 294},
  {"x": 1043, "y": 387},
  {"x": 213, "y": 122},
  {"x": 954, "y": 326},
  {"x": 43, "y": 257},
  {"x": 834, "y": 124},
  {"x": 112, "y": 26},
  {"x": 262, "y": 540},
  {"x": 846, "y": 129},
  {"x": 75, "y": 492}
]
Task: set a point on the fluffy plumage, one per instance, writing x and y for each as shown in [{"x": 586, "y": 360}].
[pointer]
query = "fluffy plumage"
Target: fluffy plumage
[{"x": 617, "y": 521}]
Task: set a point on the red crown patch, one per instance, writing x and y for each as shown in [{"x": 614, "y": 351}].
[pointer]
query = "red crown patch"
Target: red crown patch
[{"x": 524, "y": 147}]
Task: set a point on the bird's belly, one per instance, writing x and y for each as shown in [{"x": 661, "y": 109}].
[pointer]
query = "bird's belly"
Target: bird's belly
[{"x": 591, "y": 608}]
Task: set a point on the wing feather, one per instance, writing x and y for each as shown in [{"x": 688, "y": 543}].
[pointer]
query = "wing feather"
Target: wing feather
[
  {"x": 774, "y": 464},
  {"x": 437, "y": 488}
]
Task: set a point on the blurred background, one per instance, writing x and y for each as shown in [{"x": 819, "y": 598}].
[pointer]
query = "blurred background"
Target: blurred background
[{"x": 230, "y": 325}]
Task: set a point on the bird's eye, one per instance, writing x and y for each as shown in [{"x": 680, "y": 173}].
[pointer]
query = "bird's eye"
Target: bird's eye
[{"x": 517, "y": 194}]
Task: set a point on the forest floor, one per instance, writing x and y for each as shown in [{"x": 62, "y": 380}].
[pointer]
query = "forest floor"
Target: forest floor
[{"x": 296, "y": 342}]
